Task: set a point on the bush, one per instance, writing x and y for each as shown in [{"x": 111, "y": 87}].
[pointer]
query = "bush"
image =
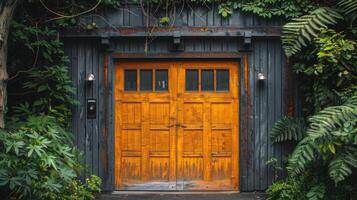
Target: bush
[{"x": 37, "y": 161}]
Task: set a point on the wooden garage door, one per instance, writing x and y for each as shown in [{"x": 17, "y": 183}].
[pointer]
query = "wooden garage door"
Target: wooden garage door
[{"x": 176, "y": 126}]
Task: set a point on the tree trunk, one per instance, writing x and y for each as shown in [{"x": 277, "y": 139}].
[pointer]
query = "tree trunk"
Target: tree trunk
[{"x": 7, "y": 8}]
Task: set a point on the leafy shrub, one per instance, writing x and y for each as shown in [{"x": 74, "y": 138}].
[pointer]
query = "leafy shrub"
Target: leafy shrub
[
  {"x": 37, "y": 161},
  {"x": 45, "y": 86}
]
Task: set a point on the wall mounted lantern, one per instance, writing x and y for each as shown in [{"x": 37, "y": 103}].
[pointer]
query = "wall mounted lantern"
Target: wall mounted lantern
[
  {"x": 90, "y": 78},
  {"x": 261, "y": 76}
]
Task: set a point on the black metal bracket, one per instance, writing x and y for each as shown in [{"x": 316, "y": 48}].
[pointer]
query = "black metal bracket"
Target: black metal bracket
[
  {"x": 247, "y": 38},
  {"x": 105, "y": 41},
  {"x": 177, "y": 44}
]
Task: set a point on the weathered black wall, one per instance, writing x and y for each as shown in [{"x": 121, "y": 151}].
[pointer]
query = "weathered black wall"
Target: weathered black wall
[{"x": 261, "y": 103}]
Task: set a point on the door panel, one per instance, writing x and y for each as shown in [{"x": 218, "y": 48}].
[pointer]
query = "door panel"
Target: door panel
[
  {"x": 208, "y": 133},
  {"x": 173, "y": 132}
]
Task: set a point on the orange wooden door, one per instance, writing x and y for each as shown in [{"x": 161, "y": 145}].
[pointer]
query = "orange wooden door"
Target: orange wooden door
[
  {"x": 176, "y": 126},
  {"x": 208, "y": 135},
  {"x": 145, "y": 140}
]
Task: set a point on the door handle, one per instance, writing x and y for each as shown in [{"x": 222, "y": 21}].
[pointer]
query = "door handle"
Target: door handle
[{"x": 176, "y": 125}]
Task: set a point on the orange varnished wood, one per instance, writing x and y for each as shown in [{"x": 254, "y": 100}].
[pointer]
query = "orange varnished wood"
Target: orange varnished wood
[{"x": 176, "y": 140}]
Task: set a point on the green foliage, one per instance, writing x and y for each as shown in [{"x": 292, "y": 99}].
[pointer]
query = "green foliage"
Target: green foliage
[
  {"x": 288, "y": 129},
  {"x": 330, "y": 138},
  {"x": 291, "y": 188},
  {"x": 276, "y": 8},
  {"x": 284, "y": 191},
  {"x": 327, "y": 70},
  {"x": 317, "y": 192},
  {"x": 37, "y": 161},
  {"x": 349, "y": 8},
  {"x": 164, "y": 20},
  {"x": 46, "y": 86},
  {"x": 299, "y": 32}
]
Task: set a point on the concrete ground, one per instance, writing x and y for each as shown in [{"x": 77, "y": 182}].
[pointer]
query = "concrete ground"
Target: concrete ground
[{"x": 180, "y": 196}]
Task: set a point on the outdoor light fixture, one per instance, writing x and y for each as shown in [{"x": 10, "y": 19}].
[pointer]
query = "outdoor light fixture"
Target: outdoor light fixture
[
  {"x": 90, "y": 77},
  {"x": 261, "y": 76}
]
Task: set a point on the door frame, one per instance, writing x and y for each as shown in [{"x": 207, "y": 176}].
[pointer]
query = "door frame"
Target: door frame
[{"x": 113, "y": 59}]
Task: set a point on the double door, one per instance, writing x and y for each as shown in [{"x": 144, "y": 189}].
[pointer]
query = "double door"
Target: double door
[{"x": 176, "y": 126}]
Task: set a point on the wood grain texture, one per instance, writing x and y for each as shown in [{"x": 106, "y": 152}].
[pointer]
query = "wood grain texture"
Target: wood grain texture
[{"x": 176, "y": 140}]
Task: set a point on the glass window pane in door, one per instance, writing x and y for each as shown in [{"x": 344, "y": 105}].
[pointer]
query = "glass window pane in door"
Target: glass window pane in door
[
  {"x": 191, "y": 80},
  {"x": 207, "y": 80},
  {"x": 130, "y": 80},
  {"x": 162, "y": 83},
  {"x": 146, "y": 80},
  {"x": 222, "y": 80}
]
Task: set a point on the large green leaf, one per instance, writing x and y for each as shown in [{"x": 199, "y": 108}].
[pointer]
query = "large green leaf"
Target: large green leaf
[{"x": 301, "y": 31}]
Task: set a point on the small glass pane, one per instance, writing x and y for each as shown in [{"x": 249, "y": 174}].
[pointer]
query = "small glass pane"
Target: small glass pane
[
  {"x": 191, "y": 80},
  {"x": 207, "y": 80},
  {"x": 222, "y": 80},
  {"x": 146, "y": 80},
  {"x": 130, "y": 80},
  {"x": 162, "y": 83}
]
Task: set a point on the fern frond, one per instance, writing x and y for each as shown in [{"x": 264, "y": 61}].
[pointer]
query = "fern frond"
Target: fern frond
[
  {"x": 349, "y": 8},
  {"x": 317, "y": 192},
  {"x": 323, "y": 128},
  {"x": 343, "y": 164},
  {"x": 326, "y": 121},
  {"x": 288, "y": 129},
  {"x": 301, "y": 31},
  {"x": 304, "y": 153}
]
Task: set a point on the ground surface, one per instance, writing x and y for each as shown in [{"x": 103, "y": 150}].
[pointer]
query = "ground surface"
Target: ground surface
[{"x": 178, "y": 196}]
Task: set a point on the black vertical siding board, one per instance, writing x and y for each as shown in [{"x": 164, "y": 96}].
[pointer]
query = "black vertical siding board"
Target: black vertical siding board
[
  {"x": 210, "y": 16},
  {"x": 217, "y": 17},
  {"x": 95, "y": 141},
  {"x": 190, "y": 16},
  {"x": 255, "y": 110},
  {"x": 271, "y": 105},
  {"x": 262, "y": 100},
  {"x": 112, "y": 17},
  {"x": 111, "y": 139},
  {"x": 81, "y": 132},
  {"x": 251, "y": 122},
  {"x": 101, "y": 120},
  {"x": 200, "y": 16},
  {"x": 126, "y": 16},
  {"x": 216, "y": 45},
  {"x": 279, "y": 94},
  {"x": 236, "y": 19},
  {"x": 189, "y": 45},
  {"x": 243, "y": 124},
  {"x": 138, "y": 19},
  {"x": 88, "y": 122}
]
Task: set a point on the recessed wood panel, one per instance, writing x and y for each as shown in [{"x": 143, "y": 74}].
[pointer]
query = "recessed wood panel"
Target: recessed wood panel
[
  {"x": 159, "y": 141},
  {"x": 131, "y": 140},
  {"x": 221, "y": 141},
  {"x": 159, "y": 113},
  {"x": 192, "y": 141},
  {"x": 131, "y": 113},
  {"x": 193, "y": 113},
  {"x": 181, "y": 131}
]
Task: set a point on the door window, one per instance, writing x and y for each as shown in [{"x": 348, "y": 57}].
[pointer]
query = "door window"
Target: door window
[{"x": 207, "y": 80}]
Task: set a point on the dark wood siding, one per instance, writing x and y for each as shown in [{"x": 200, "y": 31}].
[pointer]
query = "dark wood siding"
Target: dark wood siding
[{"x": 261, "y": 102}]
